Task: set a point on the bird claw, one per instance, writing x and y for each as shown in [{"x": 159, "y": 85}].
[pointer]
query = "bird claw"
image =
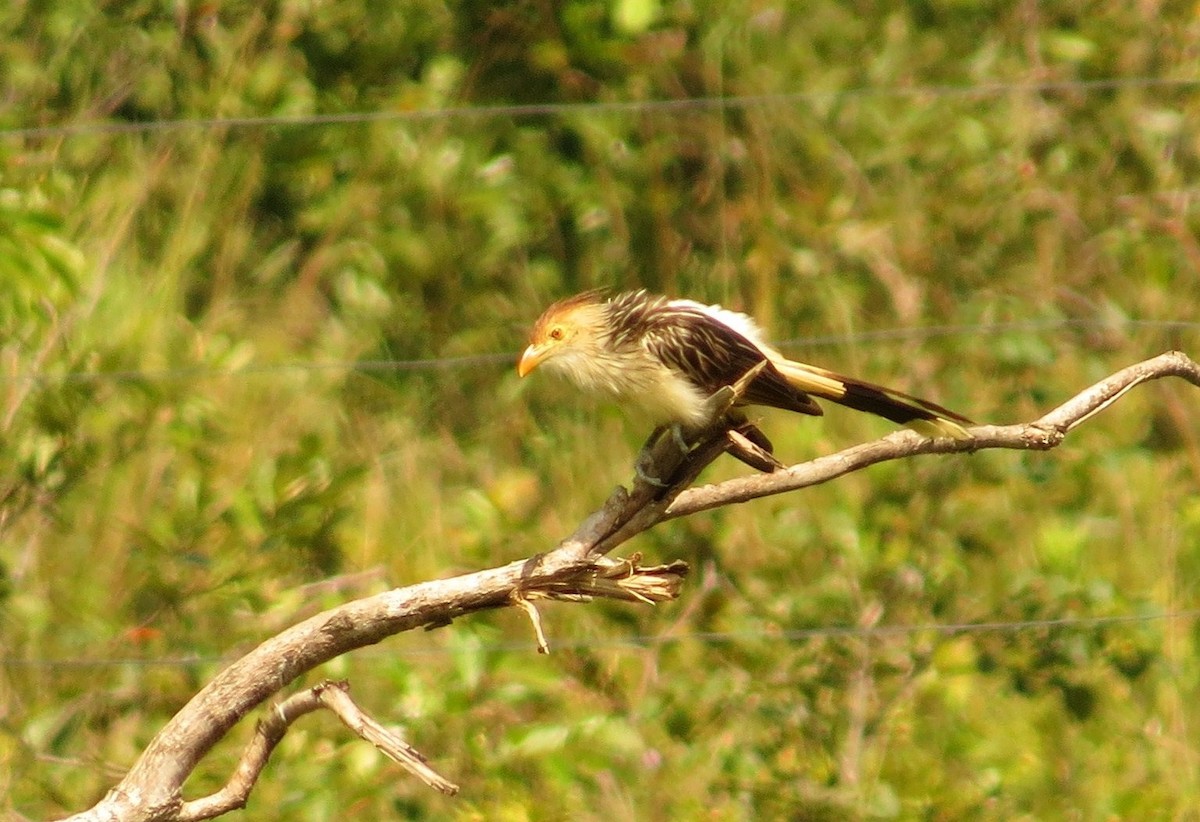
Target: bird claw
[
  {"x": 645, "y": 477},
  {"x": 677, "y": 434},
  {"x": 678, "y": 437}
]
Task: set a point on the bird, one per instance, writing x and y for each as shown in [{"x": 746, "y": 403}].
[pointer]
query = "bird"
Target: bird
[{"x": 666, "y": 357}]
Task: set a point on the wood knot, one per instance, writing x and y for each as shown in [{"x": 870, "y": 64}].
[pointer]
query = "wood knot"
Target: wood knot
[{"x": 1043, "y": 437}]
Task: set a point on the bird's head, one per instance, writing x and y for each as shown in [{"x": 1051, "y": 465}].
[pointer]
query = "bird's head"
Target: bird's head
[{"x": 567, "y": 333}]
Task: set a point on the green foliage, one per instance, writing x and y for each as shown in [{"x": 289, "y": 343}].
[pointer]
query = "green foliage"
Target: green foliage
[{"x": 194, "y": 462}]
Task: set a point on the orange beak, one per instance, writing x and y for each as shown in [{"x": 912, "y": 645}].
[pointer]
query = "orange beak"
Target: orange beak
[{"x": 530, "y": 359}]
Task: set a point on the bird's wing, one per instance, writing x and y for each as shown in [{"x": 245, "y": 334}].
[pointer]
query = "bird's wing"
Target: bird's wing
[{"x": 713, "y": 354}]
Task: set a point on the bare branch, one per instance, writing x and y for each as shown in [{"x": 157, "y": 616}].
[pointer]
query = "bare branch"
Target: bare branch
[
  {"x": 268, "y": 734},
  {"x": 151, "y": 788},
  {"x": 576, "y": 570},
  {"x": 334, "y": 696},
  {"x": 1042, "y": 434}
]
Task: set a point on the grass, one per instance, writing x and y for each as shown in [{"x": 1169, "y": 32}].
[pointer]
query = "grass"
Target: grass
[{"x": 177, "y": 513}]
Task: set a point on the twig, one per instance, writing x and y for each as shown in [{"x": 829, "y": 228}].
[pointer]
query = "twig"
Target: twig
[
  {"x": 336, "y": 697},
  {"x": 535, "y": 619},
  {"x": 269, "y": 732}
]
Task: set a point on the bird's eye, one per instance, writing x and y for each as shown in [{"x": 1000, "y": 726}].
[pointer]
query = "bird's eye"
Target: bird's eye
[{"x": 556, "y": 333}]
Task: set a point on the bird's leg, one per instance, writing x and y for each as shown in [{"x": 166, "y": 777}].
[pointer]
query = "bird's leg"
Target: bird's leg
[
  {"x": 640, "y": 463},
  {"x": 717, "y": 413},
  {"x": 677, "y": 434},
  {"x": 648, "y": 445},
  {"x": 645, "y": 476}
]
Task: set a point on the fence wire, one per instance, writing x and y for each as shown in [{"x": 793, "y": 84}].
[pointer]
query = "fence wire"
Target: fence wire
[
  {"x": 793, "y": 635},
  {"x": 700, "y": 103},
  {"x": 490, "y": 360}
]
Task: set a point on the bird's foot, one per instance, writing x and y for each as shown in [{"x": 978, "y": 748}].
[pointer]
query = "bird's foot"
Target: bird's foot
[
  {"x": 645, "y": 459},
  {"x": 645, "y": 476},
  {"x": 685, "y": 447}
]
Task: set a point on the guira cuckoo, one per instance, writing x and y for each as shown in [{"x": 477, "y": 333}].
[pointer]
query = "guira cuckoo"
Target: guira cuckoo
[{"x": 666, "y": 357}]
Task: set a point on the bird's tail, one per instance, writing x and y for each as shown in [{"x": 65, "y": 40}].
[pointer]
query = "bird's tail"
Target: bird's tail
[{"x": 922, "y": 416}]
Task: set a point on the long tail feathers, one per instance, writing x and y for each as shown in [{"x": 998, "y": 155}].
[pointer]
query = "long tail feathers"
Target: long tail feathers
[{"x": 924, "y": 417}]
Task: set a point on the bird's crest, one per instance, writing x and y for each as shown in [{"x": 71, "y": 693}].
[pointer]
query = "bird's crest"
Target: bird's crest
[{"x": 564, "y": 311}]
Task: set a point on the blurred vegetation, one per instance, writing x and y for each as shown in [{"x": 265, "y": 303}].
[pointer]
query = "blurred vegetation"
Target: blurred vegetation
[{"x": 193, "y": 461}]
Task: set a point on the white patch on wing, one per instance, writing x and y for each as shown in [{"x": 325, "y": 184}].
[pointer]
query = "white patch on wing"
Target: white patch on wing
[{"x": 739, "y": 322}]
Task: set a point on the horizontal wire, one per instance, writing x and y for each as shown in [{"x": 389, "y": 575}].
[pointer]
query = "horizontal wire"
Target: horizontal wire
[
  {"x": 655, "y": 640},
  {"x": 200, "y": 372},
  {"x": 598, "y": 107},
  {"x": 930, "y": 331},
  {"x": 498, "y": 358}
]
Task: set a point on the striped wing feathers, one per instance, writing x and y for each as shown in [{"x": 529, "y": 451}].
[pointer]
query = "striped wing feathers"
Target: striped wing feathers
[
  {"x": 713, "y": 347},
  {"x": 713, "y": 355}
]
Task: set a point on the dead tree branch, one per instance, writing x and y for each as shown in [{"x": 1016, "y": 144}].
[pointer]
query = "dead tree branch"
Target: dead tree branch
[
  {"x": 1044, "y": 433},
  {"x": 334, "y": 696},
  {"x": 578, "y": 569}
]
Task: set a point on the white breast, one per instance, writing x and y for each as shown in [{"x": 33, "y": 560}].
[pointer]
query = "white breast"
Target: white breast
[{"x": 650, "y": 388}]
